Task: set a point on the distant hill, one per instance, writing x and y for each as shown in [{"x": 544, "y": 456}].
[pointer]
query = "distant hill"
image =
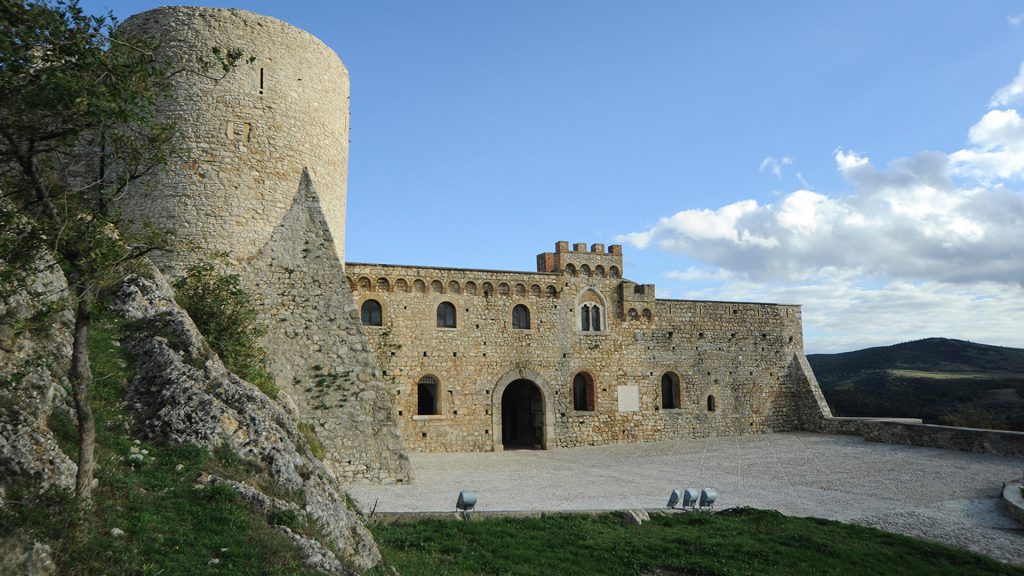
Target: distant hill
[{"x": 939, "y": 380}]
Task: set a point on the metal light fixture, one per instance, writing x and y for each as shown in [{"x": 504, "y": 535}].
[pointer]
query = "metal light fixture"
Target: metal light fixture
[
  {"x": 690, "y": 497},
  {"x": 673, "y": 498},
  {"x": 466, "y": 501},
  {"x": 708, "y": 497}
]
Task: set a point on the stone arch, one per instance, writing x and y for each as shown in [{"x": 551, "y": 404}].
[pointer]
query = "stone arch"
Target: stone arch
[
  {"x": 600, "y": 271},
  {"x": 614, "y": 272},
  {"x": 383, "y": 285},
  {"x": 646, "y": 315},
  {"x": 589, "y": 298},
  {"x": 454, "y": 288},
  {"x": 585, "y": 270},
  {"x": 712, "y": 403},
  {"x": 583, "y": 392},
  {"x": 371, "y": 313},
  {"x": 436, "y": 287},
  {"x": 419, "y": 286},
  {"x": 570, "y": 269},
  {"x": 632, "y": 314},
  {"x": 551, "y": 291},
  {"x": 401, "y": 285},
  {"x": 471, "y": 288},
  {"x": 547, "y": 398},
  {"x": 671, "y": 394},
  {"x": 519, "y": 289},
  {"x": 364, "y": 283},
  {"x": 488, "y": 289},
  {"x": 535, "y": 290},
  {"x": 504, "y": 289}
]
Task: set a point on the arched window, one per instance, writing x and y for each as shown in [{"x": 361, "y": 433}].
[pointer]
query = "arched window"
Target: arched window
[
  {"x": 669, "y": 391},
  {"x": 446, "y": 315},
  {"x": 595, "y": 318},
  {"x": 585, "y": 318},
  {"x": 570, "y": 269},
  {"x": 711, "y": 404},
  {"x": 583, "y": 393},
  {"x": 521, "y": 317},
  {"x": 426, "y": 397},
  {"x": 371, "y": 313}
]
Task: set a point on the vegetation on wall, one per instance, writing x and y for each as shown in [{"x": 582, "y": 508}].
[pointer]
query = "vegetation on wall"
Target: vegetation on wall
[{"x": 225, "y": 315}]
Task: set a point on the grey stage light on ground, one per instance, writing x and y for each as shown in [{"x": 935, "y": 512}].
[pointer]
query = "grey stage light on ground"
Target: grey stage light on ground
[
  {"x": 466, "y": 501},
  {"x": 708, "y": 497},
  {"x": 689, "y": 498},
  {"x": 673, "y": 498}
]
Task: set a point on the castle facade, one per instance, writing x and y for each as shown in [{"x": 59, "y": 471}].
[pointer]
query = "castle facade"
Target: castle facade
[
  {"x": 380, "y": 359},
  {"x": 574, "y": 354}
]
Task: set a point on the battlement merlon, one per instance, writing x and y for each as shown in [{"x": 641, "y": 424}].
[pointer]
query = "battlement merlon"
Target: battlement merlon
[{"x": 581, "y": 261}]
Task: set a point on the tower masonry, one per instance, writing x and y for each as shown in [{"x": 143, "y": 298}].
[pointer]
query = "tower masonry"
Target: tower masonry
[{"x": 244, "y": 136}]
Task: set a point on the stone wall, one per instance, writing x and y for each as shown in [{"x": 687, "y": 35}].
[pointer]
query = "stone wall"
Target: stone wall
[
  {"x": 748, "y": 357},
  {"x": 319, "y": 355},
  {"x": 913, "y": 432},
  {"x": 245, "y": 138},
  {"x": 251, "y": 145}
]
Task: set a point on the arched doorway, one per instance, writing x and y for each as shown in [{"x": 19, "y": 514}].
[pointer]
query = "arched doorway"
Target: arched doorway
[{"x": 522, "y": 415}]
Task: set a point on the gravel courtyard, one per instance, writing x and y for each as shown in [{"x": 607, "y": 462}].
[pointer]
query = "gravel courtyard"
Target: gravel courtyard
[{"x": 943, "y": 495}]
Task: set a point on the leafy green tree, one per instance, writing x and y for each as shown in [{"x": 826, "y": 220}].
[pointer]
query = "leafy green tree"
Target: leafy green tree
[{"x": 78, "y": 128}]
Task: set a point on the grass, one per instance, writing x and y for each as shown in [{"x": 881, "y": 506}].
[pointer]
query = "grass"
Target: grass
[
  {"x": 741, "y": 541},
  {"x": 146, "y": 490}
]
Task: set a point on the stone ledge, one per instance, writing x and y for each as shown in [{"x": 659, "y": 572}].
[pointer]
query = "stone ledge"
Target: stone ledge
[
  {"x": 1013, "y": 500},
  {"x": 912, "y": 432}
]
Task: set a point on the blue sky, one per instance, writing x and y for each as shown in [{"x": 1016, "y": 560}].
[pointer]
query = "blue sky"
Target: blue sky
[{"x": 862, "y": 159}]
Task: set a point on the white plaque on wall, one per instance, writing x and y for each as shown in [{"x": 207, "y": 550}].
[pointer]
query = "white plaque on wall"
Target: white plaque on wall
[{"x": 629, "y": 398}]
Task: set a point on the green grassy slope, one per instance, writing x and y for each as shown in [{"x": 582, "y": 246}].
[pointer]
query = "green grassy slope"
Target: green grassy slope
[
  {"x": 146, "y": 490},
  {"x": 738, "y": 541},
  {"x": 940, "y": 380}
]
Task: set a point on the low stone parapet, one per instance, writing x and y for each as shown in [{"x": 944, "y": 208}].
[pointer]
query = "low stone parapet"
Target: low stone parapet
[{"x": 913, "y": 432}]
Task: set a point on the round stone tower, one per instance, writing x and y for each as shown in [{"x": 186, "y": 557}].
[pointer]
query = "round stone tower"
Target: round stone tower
[{"x": 245, "y": 138}]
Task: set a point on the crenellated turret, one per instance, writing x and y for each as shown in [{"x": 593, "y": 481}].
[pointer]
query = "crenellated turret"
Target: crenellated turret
[{"x": 582, "y": 262}]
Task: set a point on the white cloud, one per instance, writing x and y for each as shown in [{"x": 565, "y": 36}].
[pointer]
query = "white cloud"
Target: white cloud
[
  {"x": 928, "y": 245},
  {"x": 695, "y": 273},
  {"x": 1015, "y": 19},
  {"x": 909, "y": 220},
  {"x": 774, "y": 165},
  {"x": 1010, "y": 93}
]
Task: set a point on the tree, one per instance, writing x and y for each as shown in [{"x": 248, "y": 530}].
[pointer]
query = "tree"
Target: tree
[{"x": 78, "y": 127}]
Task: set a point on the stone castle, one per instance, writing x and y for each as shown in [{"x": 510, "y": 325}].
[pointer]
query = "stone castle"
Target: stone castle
[{"x": 381, "y": 359}]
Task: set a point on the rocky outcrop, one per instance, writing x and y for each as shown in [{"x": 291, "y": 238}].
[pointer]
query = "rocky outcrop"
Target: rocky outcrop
[
  {"x": 181, "y": 392},
  {"x": 20, "y": 555},
  {"x": 34, "y": 358}
]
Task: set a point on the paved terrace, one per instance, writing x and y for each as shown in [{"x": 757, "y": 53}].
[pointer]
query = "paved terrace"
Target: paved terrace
[{"x": 943, "y": 495}]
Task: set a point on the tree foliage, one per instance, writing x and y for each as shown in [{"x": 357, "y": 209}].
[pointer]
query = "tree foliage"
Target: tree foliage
[{"x": 78, "y": 128}]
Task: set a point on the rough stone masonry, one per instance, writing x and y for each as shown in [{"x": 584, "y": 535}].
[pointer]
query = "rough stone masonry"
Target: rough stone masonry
[{"x": 384, "y": 358}]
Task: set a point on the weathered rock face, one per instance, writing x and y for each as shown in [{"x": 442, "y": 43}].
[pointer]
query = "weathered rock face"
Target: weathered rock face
[
  {"x": 182, "y": 392},
  {"x": 33, "y": 369},
  {"x": 20, "y": 555}
]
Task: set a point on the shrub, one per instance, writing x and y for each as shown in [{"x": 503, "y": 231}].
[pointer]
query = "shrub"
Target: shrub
[{"x": 224, "y": 312}]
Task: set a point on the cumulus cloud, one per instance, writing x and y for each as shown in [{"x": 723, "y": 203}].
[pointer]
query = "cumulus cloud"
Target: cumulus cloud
[
  {"x": 774, "y": 165},
  {"x": 908, "y": 220},
  {"x": 1010, "y": 93},
  {"x": 927, "y": 245},
  {"x": 1015, "y": 19}
]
